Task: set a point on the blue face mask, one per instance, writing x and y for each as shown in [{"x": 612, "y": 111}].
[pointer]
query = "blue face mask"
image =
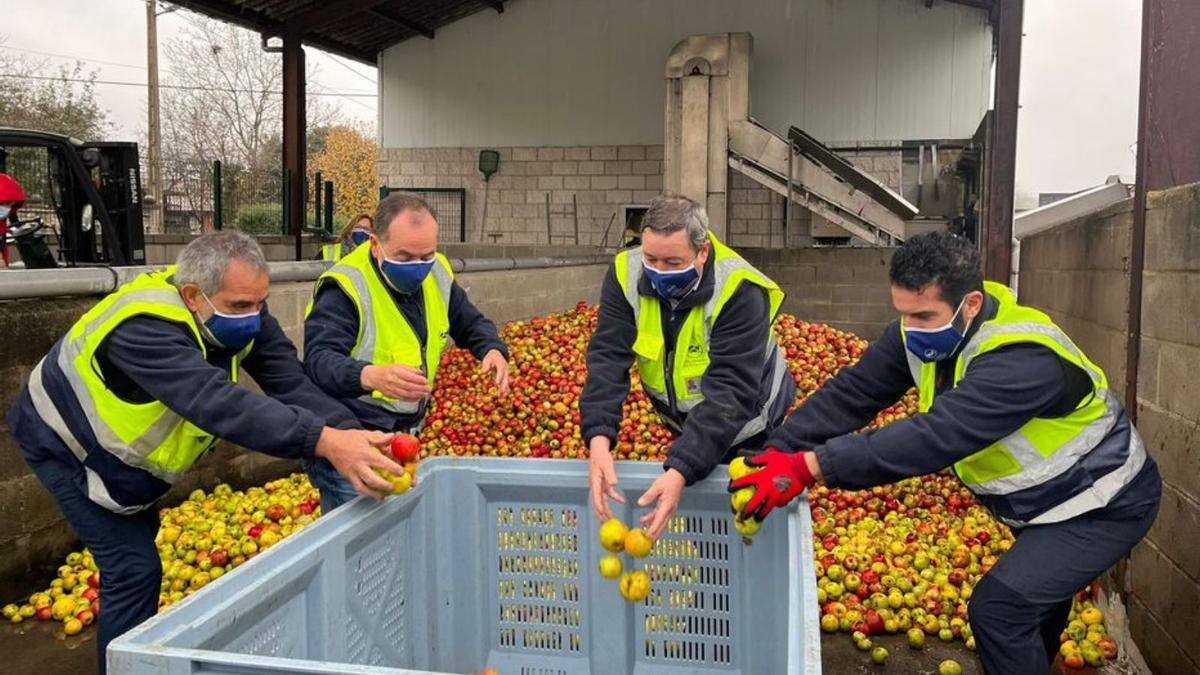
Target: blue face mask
[
  {"x": 934, "y": 344},
  {"x": 405, "y": 276},
  {"x": 672, "y": 284},
  {"x": 231, "y": 331},
  {"x": 359, "y": 236},
  {"x": 4, "y": 211}
]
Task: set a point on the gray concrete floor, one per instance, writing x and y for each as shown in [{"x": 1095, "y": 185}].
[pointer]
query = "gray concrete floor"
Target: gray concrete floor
[
  {"x": 839, "y": 656},
  {"x": 41, "y": 647}
]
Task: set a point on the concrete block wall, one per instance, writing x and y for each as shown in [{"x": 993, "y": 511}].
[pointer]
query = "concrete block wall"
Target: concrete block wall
[
  {"x": 881, "y": 161},
  {"x": 756, "y": 217},
  {"x": 1078, "y": 274},
  {"x": 844, "y": 287},
  {"x": 598, "y": 178},
  {"x": 33, "y": 534},
  {"x": 1166, "y": 567}
]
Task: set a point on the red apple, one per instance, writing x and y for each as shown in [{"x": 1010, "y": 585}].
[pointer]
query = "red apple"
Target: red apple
[{"x": 405, "y": 447}]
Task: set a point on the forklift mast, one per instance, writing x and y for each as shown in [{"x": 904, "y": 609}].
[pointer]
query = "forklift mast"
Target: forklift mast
[{"x": 95, "y": 192}]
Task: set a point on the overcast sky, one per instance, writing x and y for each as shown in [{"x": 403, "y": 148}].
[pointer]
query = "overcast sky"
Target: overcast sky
[{"x": 1079, "y": 77}]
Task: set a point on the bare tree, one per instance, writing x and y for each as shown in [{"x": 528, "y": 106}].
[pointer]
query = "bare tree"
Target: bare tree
[
  {"x": 223, "y": 100},
  {"x": 61, "y": 99}
]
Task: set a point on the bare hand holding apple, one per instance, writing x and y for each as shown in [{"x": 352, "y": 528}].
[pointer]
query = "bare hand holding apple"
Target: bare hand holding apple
[{"x": 355, "y": 454}]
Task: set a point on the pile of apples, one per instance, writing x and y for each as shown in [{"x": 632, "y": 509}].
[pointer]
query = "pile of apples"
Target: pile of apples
[
  {"x": 199, "y": 541},
  {"x": 902, "y": 558},
  {"x": 615, "y": 537},
  {"x": 72, "y": 599},
  {"x": 1085, "y": 642},
  {"x": 548, "y": 369}
]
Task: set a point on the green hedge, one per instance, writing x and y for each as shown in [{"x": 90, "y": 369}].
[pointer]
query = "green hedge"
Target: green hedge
[{"x": 260, "y": 219}]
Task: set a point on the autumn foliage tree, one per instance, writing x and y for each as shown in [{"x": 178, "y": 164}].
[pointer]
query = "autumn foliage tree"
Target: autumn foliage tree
[{"x": 348, "y": 160}]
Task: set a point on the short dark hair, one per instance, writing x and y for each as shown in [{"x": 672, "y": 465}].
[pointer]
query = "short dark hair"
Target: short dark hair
[
  {"x": 670, "y": 213},
  {"x": 393, "y": 205},
  {"x": 947, "y": 260}
]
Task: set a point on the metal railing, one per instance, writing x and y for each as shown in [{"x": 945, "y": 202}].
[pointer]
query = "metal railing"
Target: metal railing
[{"x": 450, "y": 204}]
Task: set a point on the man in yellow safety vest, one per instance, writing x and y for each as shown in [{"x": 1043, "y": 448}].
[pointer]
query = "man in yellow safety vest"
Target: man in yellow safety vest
[
  {"x": 696, "y": 319},
  {"x": 1025, "y": 419},
  {"x": 379, "y": 322},
  {"x": 145, "y": 383}
]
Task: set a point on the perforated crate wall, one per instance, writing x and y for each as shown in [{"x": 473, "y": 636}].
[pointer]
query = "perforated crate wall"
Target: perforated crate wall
[
  {"x": 493, "y": 562},
  {"x": 539, "y": 601},
  {"x": 686, "y": 618}
]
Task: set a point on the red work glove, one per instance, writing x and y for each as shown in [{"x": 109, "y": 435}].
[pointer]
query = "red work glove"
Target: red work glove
[{"x": 780, "y": 477}]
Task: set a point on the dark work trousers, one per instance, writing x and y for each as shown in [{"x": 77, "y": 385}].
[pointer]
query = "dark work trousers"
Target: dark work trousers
[
  {"x": 334, "y": 488},
  {"x": 1020, "y": 607},
  {"x": 123, "y": 545}
]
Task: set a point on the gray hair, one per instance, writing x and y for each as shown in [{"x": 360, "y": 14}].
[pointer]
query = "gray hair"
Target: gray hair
[
  {"x": 204, "y": 261},
  {"x": 393, "y": 205},
  {"x": 669, "y": 213}
]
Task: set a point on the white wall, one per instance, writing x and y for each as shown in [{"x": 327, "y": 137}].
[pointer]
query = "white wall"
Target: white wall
[{"x": 590, "y": 72}]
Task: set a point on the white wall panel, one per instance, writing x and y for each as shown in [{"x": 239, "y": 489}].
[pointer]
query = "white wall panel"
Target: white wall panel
[{"x": 590, "y": 72}]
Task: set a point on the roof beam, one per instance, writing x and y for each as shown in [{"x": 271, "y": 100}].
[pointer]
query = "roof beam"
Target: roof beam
[
  {"x": 402, "y": 21},
  {"x": 329, "y": 12},
  {"x": 986, "y": 5},
  {"x": 254, "y": 20}
]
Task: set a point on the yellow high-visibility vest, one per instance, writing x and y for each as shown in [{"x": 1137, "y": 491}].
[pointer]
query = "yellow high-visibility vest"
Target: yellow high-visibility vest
[{"x": 384, "y": 335}]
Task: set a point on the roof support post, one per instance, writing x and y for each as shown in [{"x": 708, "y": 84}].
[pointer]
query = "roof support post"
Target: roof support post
[
  {"x": 1002, "y": 156},
  {"x": 294, "y": 131}
]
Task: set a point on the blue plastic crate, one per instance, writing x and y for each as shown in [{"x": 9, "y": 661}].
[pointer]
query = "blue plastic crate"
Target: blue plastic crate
[{"x": 493, "y": 562}]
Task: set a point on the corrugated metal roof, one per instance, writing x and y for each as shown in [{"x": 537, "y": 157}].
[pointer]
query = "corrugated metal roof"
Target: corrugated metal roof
[{"x": 357, "y": 29}]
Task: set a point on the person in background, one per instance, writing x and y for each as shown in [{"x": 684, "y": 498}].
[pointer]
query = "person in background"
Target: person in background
[
  {"x": 145, "y": 383},
  {"x": 379, "y": 322},
  {"x": 1025, "y": 419},
  {"x": 12, "y": 198},
  {"x": 696, "y": 319},
  {"x": 355, "y": 232}
]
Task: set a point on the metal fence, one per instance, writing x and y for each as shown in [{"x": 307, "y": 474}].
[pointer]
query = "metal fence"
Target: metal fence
[
  {"x": 197, "y": 196},
  {"x": 201, "y": 196},
  {"x": 186, "y": 203},
  {"x": 450, "y": 205}
]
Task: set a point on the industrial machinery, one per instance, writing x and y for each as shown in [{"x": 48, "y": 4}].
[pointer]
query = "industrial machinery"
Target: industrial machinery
[{"x": 88, "y": 194}]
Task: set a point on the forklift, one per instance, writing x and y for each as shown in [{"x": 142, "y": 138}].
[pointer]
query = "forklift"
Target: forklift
[{"x": 95, "y": 193}]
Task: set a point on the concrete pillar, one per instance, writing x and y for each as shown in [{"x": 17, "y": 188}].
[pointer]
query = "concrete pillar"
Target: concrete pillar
[
  {"x": 693, "y": 154},
  {"x": 708, "y": 84}
]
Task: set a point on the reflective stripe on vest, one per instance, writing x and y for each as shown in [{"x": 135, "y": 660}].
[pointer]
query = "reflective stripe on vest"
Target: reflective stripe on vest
[
  {"x": 384, "y": 334},
  {"x": 1043, "y": 448},
  {"x": 333, "y": 252},
  {"x": 690, "y": 359},
  {"x": 146, "y": 436}
]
